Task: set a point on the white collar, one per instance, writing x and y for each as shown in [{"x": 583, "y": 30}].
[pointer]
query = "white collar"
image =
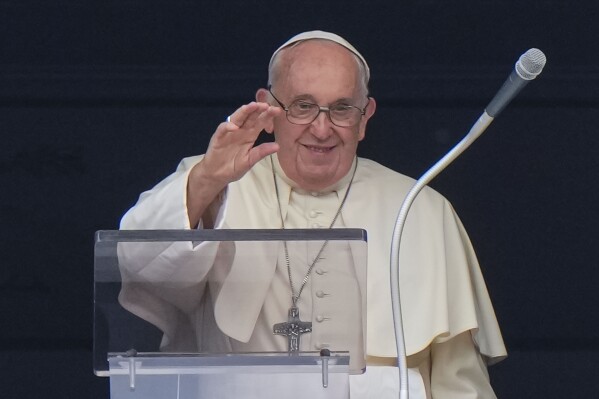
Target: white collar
[{"x": 340, "y": 186}]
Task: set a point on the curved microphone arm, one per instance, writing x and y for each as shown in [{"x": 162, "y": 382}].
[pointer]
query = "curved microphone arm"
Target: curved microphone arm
[
  {"x": 527, "y": 68},
  {"x": 477, "y": 129}
]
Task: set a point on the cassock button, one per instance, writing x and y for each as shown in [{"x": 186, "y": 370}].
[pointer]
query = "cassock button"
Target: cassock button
[
  {"x": 320, "y": 318},
  {"x": 320, "y": 271},
  {"x": 320, "y": 294},
  {"x": 315, "y": 225},
  {"x": 313, "y": 214}
]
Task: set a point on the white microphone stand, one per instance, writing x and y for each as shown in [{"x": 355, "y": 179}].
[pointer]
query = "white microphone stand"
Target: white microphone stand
[
  {"x": 479, "y": 127},
  {"x": 527, "y": 68}
]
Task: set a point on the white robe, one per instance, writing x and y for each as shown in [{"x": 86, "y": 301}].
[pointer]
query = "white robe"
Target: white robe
[{"x": 443, "y": 294}]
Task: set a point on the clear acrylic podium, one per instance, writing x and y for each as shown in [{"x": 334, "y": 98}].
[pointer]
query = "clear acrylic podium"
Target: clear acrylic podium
[{"x": 134, "y": 349}]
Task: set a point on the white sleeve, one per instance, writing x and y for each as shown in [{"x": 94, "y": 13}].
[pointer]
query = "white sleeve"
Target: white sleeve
[{"x": 165, "y": 282}]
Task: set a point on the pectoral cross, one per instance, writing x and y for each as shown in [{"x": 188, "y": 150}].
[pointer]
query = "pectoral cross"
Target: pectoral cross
[{"x": 293, "y": 328}]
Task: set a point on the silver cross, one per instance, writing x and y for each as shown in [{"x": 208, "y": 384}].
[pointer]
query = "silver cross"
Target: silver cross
[{"x": 293, "y": 328}]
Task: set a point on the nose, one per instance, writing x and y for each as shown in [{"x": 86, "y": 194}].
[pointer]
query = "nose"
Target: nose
[{"x": 322, "y": 127}]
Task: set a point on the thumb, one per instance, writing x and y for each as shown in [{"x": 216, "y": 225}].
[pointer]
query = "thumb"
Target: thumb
[{"x": 261, "y": 151}]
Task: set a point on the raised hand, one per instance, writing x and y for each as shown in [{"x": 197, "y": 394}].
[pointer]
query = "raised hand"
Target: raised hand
[
  {"x": 230, "y": 155},
  {"x": 231, "y": 152}
]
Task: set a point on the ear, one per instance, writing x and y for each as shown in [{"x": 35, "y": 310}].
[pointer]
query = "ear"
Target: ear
[
  {"x": 262, "y": 95},
  {"x": 370, "y": 108}
]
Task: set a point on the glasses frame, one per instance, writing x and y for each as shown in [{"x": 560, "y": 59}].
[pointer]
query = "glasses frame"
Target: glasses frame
[{"x": 327, "y": 110}]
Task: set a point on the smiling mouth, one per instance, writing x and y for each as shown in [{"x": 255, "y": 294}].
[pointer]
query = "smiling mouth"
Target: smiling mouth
[{"x": 321, "y": 150}]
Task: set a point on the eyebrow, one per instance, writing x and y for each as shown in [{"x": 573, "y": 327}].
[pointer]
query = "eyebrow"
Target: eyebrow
[{"x": 310, "y": 98}]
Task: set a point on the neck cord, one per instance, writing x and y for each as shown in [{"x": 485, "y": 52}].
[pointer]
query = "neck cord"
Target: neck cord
[{"x": 294, "y": 297}]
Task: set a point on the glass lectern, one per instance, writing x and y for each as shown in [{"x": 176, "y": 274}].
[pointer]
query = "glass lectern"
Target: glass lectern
[{"x": 187, "y": 314}]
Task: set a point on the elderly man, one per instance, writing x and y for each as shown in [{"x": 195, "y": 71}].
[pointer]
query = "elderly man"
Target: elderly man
[{"x": 317, "y": 106}]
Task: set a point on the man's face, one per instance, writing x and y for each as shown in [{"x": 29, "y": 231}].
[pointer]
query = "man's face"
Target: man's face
[{"x": 319, "y": 154}]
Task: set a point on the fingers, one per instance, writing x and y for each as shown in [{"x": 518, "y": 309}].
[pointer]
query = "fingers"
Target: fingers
[
  {"x": 243, "y": 113},
  {"x": 253, "y": 116},
  {"x": 232, "y": 151}
]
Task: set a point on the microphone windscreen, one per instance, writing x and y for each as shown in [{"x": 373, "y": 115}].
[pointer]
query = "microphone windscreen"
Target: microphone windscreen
[{"x": 530, "y": 64}]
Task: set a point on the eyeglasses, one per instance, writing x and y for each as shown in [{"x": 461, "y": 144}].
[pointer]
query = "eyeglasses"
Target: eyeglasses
[{"x": 301, "y": 112}]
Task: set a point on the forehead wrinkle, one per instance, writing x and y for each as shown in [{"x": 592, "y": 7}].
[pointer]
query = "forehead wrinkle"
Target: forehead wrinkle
[{"x": 310, "y": 54}]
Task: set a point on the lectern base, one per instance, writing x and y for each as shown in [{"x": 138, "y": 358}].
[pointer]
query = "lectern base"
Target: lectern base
[{"x": 272, "y": 376}]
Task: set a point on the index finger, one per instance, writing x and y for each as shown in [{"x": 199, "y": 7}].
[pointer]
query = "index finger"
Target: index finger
[{"x": 247, "y": 112}]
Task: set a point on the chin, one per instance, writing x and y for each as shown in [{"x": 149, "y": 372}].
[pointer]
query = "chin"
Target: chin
[{"x": 318, "y": 179}]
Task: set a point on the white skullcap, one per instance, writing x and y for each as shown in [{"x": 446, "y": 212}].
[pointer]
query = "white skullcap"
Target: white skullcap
[{"x": 318, "y": 34}]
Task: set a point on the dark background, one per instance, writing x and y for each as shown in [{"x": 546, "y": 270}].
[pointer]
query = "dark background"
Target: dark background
[{"x": 100, "y": 99}]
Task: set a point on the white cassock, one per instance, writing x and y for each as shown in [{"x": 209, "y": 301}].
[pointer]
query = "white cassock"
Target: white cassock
[{"x": 451, "y": 332}]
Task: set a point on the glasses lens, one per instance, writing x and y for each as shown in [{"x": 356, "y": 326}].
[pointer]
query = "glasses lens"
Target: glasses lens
[
  {"x": 344, "y": 115},
  {"x": 302, "y": 112}
]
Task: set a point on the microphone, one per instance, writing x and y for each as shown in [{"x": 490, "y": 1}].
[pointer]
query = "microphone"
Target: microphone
[{"x": 528, "y": 67}]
